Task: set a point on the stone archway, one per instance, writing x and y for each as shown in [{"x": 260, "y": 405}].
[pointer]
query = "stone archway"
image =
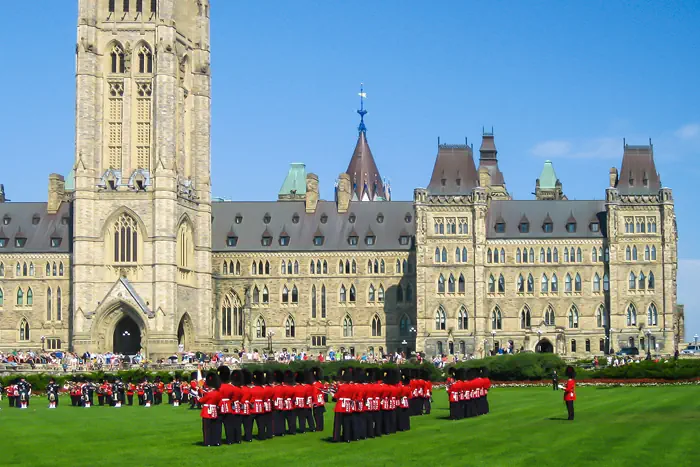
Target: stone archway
[
  {"x": 126, "y": 339},
  {"x": 185, "y": 333},
  {"x": 109, "y": 328},
  {"x": 544, "y": 346}
]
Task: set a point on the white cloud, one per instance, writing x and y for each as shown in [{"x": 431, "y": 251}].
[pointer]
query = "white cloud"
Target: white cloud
[
  {"x": 600, "y": 148},
  {"x": 689, "y": 131},
  {"x": 688, "y": 272}
]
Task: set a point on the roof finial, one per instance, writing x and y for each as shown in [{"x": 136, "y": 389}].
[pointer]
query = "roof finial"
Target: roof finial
[{"x": 362, "y": 112}]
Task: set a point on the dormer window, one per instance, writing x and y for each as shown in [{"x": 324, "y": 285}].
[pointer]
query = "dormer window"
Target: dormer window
[
  {"x": 547, "y": 227},
  {"x": 571, "y": 227},
  {"x": 3, "y": 242},
  {"x": 267, "y": 219},
  {"x": 443, "y": 182},
  {"x": 64, "y": 220},
  {"x": 380, "y": 218},
  {"x": 324, "y": 218},
  {"x": 238, "y": 219},
  {"x": 295, "y": 218},
  {"x": 352, "y": 218},
  {"x": 595, "y": 227},
  {"x": 55, "y": 242},
  {"x": 6, "y": 220},
  {"x": 408, "y": 218},
  {"x": 284, "y": 240},
  {"x": 231, "y": 241},
  {"x": 370, "y": 240},
  {"x": 524, "y": 227},
  {"x": 352, "y": 240},
  {"x": 459, "y": 182},
  {"x": 318, "y": 240},
  {"x": 500, "y": 227},
  {"x": 20, "y": 242},
  {"x": 404, "y": 239},
  {"x": 266, "y": 240},
  {"x": 36, "y": 219}
]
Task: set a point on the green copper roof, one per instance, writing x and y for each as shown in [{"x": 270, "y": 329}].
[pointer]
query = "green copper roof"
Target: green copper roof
[
  {"x": 70, "y": 180},
  {"x": 548, "y": 179},
  {"x": 295, "y": 183}
]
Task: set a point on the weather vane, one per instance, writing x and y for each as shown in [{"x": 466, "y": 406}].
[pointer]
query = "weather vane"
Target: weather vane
[{"x": 362, "y": 112}]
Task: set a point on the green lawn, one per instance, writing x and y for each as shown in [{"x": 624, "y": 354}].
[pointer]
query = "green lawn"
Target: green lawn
[{"x": 618, "y": 426}]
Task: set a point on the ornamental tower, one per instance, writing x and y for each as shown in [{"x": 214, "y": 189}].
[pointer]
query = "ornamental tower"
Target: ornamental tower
[{"x": 142, "y": 221}]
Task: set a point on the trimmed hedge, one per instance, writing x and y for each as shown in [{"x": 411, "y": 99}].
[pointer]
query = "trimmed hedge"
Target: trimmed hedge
[
  {"x": 519, "y": 367},
  {"x": 40, "y": 380}
]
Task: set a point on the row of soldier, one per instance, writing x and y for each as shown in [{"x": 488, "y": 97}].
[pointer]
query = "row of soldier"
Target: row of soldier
[
  {"x": 467, "y": 391},
  {"x": 18, "y": 393}
]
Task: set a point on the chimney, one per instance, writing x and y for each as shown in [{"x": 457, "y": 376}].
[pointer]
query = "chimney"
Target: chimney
[
  {"x": 484, "y": 177},
  {"x": 344, "y": 192},
  {"x": 311, "y": 192},
  {"x": 2, "y": 193},
  {"x": 57, "y": 190},
  {"x": 613, "y": 177}
]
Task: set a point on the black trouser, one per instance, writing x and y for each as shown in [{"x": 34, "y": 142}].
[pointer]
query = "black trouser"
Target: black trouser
[
  {"x": 342, "y": 422},
  {"x": 386, "y": 422},
  {"x": 73, "y": 400},
  {"x": 248, "y": 427},
  {"x": 486, "y": 404},
  {"x": 305, "y": 418},
  {"x": 101, "y": 399},
  {"x": 260, "y": 420},
  {"x": 12, "y": 400},
  {"x": 269, "y": 425},
  {"x": 570, "y": 409},
  {"x": 426, "y": 405},
  {"x": 392, "y": 420},
  {"x": 319, "y": 413},
  {"x": 359, "y": 426},
  {"x": 232, "y": 426},
  {"x": 211, "y": 431},
  {"x": 170, "y": 398},
  {"x": 454, "y": 411},
  {"x": 130, "y": 398},
  {"x": 278, "y": 423},
  {"x": 291, "y": 418},
  {"x": 56, "y": 400},
  {"x": 554, "y": 385},
  {"x": 369, "y": 424},
  {"x": 378, "y": 422}
]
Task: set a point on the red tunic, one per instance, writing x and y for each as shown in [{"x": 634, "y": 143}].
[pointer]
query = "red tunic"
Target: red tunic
[
  {"x": 300, "y": 392},
  {"x": 226, "y": 391},
  {"x": 210, "y": 402},
  {"x": 317, "y": 394},
  {"x": 570, "y": 390},
  {"x": 257, "y": 398},
  {"x": 344, "y": 397}
]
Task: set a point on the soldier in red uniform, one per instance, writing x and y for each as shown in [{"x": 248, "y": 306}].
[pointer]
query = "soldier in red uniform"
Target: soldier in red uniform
[
  {"x": 211, "y": 426},
  {"x": 225, "y": 405},
  {"x": 278, "y": 403},
  {"x": 247, "y": 416},
  {"x": 319, "y": 398},
  {"x": 404, "y": 414},
  {"x": 237, "y": 406},
  {"x": 342, "y": 424},
  {"x": 268, "y": 397},
  {"x": 289, "y": 395},
  {"x": 570, "y": 391},
  {"x": 304, "y": 401},
  {"x": 257, "y": 398},
  {"x": 359, "y": 421}
]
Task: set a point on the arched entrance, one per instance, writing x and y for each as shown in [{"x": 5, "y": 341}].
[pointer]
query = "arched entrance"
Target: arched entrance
[
  {"x": 127, "y": 337},
  {"x": 544, "y": 346},
  {"x": 185, "y": 333}
]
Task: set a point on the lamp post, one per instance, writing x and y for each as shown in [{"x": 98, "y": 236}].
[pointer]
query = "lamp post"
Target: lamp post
[
  {"x": 648, "y": 333},
  {"x": 270, "y": 334},
  {"x": 493, "y": 339},
  {"x": 539, "y": 339},
  {"x": 611, "y": 350},
  {"x": 43, "y": 339},
  {"x": 414, "y": 335}
]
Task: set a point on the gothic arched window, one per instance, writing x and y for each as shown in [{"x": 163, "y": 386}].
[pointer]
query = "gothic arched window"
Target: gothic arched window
[
  {"x": 323, "y": 301},
  {"x": 404, "y": 325},
  {"x": 440, "y": 319},
  {"x": 347, "y": 326},
  {"x": 525, "y": 318},
  {"x": 462, "y": 318},
  {"x": 441, "y": 284},
  {"x": 289, "y": 330},
  {"x": 451, "y": 284},
  {"x": 145, "y": 58},
  {"x": 573, "y": 317},
  {"x": 59, "y": 304},
  {"x": 260, "y": 330},
  {"x": 313, "y": 301},
  {"x": 496, "y": 319},
  {"x": 501, "y": 284},
  {"x": 631, "y": 315},
  {"x": 370, "y": 293},
  {"x": 549, "y": 316},
  {"x": 117, "y": 59},
  {"x": 24, "y": 330},
  {"x": 544, "y": 284},
  {"x": 600, "y": 316},
  {"x": 49, "y": 308},
  {"x": 295, "y": 294},
  {"x": 652, "y": 315},
  {"x": 376, "y": 326},
  {"x": 126, "y": 239},
  {"x": 231, "y": 316},
  {"x": 461, "y": 285}
]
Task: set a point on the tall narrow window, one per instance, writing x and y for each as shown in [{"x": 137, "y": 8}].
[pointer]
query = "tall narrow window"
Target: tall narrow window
[
  {"x": 521, "y": 284},
  {"x": 347, "y": 327},
  {"x": 313, "y": 302},
  {"x": 631, "y": 315},
  {"x": 651, "y": 281},
  {"x": 125, "y": 240},
  {"x": 653, "y": 253},
  {"x": 544, "y": 284},
  {"x": 323, "y": 301},
  {"x": 606, "y": 282},
  {"x": 600, "y": 316},
  {"x": 144, "y": 92},
  {"x": 632, "y": 281},
  {"x": 492, "y": 284},
  {"x": 555, "y": 284},
  {"x": 577, "y": 283},
  {"x": 463, "y": 319},
  {"x": 24, "y": 330},
  {"x": 285, "y": 294},
  {"x": 530, "y": 284},
  {"x": 342, "y": 295},
  {"x": 496, "y": 319},
  {"x": 376, "y": 326},
  {"x": 573, "y": 317},
  {"x": 404, "y": 325},
  {"x": 110, "y": 5},
  {"x": 353, "y": 294},
  {"x": 440, "y": 319},
  {"x": 139, "y": 6},
  {"x": 567, "y": 283},
  {"x": 145, "y": 58},
  {"x": 114, "y": 114},
  {"x": 30, "y": 297},
  {"x": 596, "y": 283},
  {"x": 126, "y": 6},
  {"x": 380, "y": 294},
  {"x": 461, "y": 286},
  {"x": 289, "y": 328},
  {"x": 501, "y": 284},
  {"x": 295, "y": 294},
  {"x": 49, "y": 308},
  {"x": 441, "y": 284},
  {"x": 260, "y": 331},
  {"x": 2, "y": 298},
  {"x": 370, "y": 294},
  {"x": 59, "y": 304},
  {"x": 652, "y": 315},
  {"x": 231, "y": 316},
  {"x": 20, "y": 297},
  {"x": 451, "y": 284},
  {"x": 549, "y": 316}
]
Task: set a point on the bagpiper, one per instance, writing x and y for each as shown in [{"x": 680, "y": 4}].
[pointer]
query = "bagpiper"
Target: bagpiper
[{"x": 52, "y": 392}]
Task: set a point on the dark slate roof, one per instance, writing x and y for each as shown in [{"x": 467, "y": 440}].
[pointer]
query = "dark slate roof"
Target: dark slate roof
[
  {"x": 22, "y": 223},
  {"x": 638, "y": 175},
  {"x": 536, "y": 211},
  {"x": 364, "y": 173},
  {"x": 453, "y": 162},
  {"x": 488, "y": 158},
  {"x": 336, "y": 229}
]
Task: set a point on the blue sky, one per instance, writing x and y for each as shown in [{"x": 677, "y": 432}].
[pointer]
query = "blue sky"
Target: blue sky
[{"x": 557, "y": 80}]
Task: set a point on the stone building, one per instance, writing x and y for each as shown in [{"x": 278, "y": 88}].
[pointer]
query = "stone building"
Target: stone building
[{"x": 131, "y": 253}]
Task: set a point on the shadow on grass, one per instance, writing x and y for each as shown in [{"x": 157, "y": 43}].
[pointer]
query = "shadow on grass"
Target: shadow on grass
[{"x": 558, "y": 419}]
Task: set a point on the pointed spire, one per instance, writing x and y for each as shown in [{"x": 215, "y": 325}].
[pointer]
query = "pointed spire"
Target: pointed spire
[{"x": 362, "y": 112}]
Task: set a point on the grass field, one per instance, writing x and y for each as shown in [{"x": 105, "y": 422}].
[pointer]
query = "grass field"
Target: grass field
[{"x": 526, "y": 426}]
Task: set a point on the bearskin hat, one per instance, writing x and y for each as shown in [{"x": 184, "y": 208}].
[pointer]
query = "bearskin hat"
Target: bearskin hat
[
  {"x": 289, "y": 377},
  {"x": 224, "y": 373},
  {"x": 317, "y": 373},
  {"x": 279, "y": 376},
  {"x": 212, "y": 380},
  {"x": 358, "y": 376},
  {"x": 570, "y": 372},
  {"x": 452, "y": 372},
  {"x": 347, "y": 374},
  {"x": 405, "y": 375},
  {"x": 259, "y": 377},
  {"x": 236, "y": 377},
  {"x": 247, "y": 376},
  {"x": 309, "y": 376},
  {"x": 193, "y": 376},
  {"x": 472, "y": 373},
  {"x": 461, "y": 374}
]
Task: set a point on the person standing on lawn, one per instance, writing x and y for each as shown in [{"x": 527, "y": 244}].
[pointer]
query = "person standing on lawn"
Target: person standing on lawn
[
  {"x": 555, "y": 380},
  {"x": 570, "y": 391},
  {"x": 211, "y": 425}
]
